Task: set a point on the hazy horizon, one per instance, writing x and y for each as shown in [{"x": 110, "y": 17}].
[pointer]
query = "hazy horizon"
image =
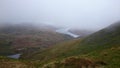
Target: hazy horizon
[{"x": 83, "y": 14}]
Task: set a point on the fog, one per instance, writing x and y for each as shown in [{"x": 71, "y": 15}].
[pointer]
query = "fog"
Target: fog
[{"x": 83, "y": 14}]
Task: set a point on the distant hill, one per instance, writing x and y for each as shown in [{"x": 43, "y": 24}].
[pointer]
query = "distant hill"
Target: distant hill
[
  {"x": 102, "y": 46},
  {"x": 27, "y": 37}
]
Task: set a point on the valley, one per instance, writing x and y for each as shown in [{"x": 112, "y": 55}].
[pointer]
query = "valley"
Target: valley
[
  {"x": 93, "y": 47},
  {"x": 27, "y": 38},
  {"x": 100, "y": 49},
  {"x": 59, "y": 33}
]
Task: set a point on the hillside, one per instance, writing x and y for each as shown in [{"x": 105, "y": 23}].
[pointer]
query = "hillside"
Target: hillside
[
  {"x": 6, "y": 62},
  {"x": 26, "y": 37},
  {"x": 11, "y": 63},
  {"x": 103, "y": 46}
]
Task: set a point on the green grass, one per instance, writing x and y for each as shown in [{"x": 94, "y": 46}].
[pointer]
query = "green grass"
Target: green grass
[
  {"x": 18, "y": 63},
  {"x": 5, "y": 48},
  {"x": 101, "y": 49},
  {"x": 97, "y": 42},
  {"x": 111, "y": 56}
]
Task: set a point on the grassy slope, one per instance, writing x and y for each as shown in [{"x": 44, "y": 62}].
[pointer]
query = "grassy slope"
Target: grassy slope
[
  {"x": 110, "y": 56},
  {"x": 103, "y": 46},
  {"x": 14, "y": 63},
  {"x": 97, "y": 43}
]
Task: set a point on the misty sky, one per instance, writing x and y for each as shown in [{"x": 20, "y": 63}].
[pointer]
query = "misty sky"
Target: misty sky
[{"x": 88, "y": 14}]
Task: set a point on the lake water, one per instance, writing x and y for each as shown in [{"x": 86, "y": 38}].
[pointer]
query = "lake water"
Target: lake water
[
  {"x": 66, "y": 31},
  {"x": 15, "y": 56}
]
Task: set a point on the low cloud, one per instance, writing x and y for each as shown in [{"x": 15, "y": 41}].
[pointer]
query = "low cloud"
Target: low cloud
[{"x": 83, "y": 14}]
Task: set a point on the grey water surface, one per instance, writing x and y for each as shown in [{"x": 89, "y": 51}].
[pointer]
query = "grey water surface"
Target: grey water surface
[
  {"x": 66, "y": 31},
  {"x": 15, "y": 56}
]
